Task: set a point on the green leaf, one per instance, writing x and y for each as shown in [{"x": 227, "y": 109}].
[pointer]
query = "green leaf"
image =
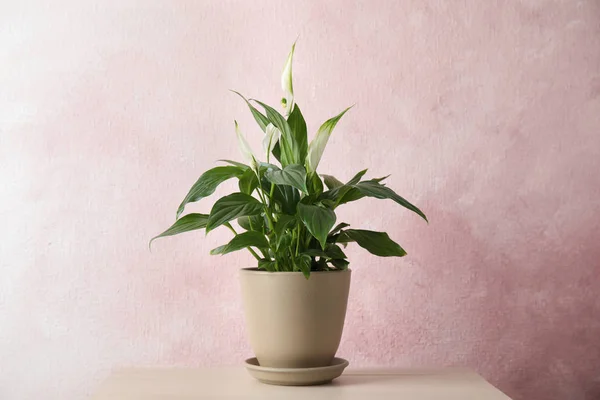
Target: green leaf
[
  {"x": 252, "y": 223},
  {"x": 186, "y": 223},
  {"x": 258, "y": 116},
  {"x": 302, "y": 264},
  {"x": 248, "y": 182},
  {"x": 317, "y": 146},
  {"x": 315, "y": 185},
  {"x": 287, "y": 143},
  {"x": 293, "y": 175},
  {"x": 287, "y": 197},
  {"x": 331, "y": 182},
  {"x": 218, "y": 250},
  {"x": 377, "y": 190},
  {"x": 208, "y": 182},
  {"x": 241, "y": 241},
  {"x": 356, "y": 177},
  {"x": 235, "y": 163},
  {"x": 378, "y": 243},
  {"x": 318, "y": 221},
  {"x": 298, "y": 127},
  {"x": 284, "y": 242},
  {"x": 340, "y": 264},
  {"x": 267, "y": 265},
  {"x": 283, "y": 223},
  {"x": 334, "y": 251},
  {"x": 231, "y": 207},
  {"x": 338, "y": 228}
]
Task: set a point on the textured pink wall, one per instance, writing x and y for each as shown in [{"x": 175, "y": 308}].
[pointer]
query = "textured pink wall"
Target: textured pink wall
[{"x": 487, "y": 114}]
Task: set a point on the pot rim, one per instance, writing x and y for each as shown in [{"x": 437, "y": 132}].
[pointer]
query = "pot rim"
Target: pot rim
[{"x": 256, "y": 271}]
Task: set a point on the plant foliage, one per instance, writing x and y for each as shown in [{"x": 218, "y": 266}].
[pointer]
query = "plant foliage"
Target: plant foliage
[{"x": 287, "y": 211}]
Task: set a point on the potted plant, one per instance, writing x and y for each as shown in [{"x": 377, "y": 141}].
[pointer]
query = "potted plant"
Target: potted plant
[{"x": 295, "y": 298}]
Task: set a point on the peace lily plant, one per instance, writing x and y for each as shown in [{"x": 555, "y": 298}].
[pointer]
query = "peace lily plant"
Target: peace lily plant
[{"x": 285, "y": 209}]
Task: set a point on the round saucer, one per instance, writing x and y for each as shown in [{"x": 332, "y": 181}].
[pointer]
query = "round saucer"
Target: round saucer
[{"x": 296, "y": 376}]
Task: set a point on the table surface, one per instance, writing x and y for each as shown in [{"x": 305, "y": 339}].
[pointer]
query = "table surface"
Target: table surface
[{"x": 235, "y": 383}]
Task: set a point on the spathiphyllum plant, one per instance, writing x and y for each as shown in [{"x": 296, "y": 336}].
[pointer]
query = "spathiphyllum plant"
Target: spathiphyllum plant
[{"x": 286, "y": 211}]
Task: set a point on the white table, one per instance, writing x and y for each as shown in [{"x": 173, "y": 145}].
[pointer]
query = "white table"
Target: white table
[{"x": 235, "y": 383}]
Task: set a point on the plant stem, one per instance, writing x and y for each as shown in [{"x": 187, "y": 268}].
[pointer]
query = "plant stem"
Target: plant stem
[
  {"x": 298, "y": 239},
  {"x": 227, "y": 224}
]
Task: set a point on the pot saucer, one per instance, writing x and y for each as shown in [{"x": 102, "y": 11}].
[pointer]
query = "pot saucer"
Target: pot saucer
[{"x": 296, "y": 376}]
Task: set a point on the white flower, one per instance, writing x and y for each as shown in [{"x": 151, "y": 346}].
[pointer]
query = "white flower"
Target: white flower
[
  {"x": 271, "y": 138},
  {"x": 245, "y": 149},
  {"x": 286, "y": 84}
]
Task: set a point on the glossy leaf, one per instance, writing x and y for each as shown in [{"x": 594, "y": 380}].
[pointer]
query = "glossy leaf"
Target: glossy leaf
[
  {"x": 299, "y": 133},
  {"x": 287, "y": 197},
  {"x": 267, "y": 265},
  {"x": 292, "y": 175},
  {"x": 317, "y": 146},
  {"x": 338, "y": 228},
  {"x": 248, "y": 182},
  {"x": 331, "y": 182},
  {"x": 378, "y": 243},
  {"x": 285, "y": 221},
  {"x": 302, "y": 263},
  {"x": 241, "y": 241},
  {"x": 252, "y": 223},
  {"x": 318, "y": 221},
  {"x": 259, "y": 117},
  {"x": 377, "y": 190},
  {"x": 289, "y": 149},
  {"x": 340, "y": 263},
  {"x": 186, "y": 223},
  {"x": 208, "y": 182},
  {"x": 231, "y": 207},
  {"x": 315, "y": 185},
  {"x": 356, "y": 178}
]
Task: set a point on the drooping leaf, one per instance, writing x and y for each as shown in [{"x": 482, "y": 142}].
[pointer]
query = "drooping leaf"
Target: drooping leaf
[
  {"x": 338, "y": 228},
  {"x": 289, "y": 149},
  {"x": 231, "y": 207},
  {"x": 258, "y": 116},
  {"x": 334, "y": 251},
  {"x": 243, "y": 240},
  {"x": 218, "y": 250},
  {"x": 298, "y": 126},
  {"x": 208, "y": 182},
  {"x": 377, "y": 190},
  {"x": 248, "y": 182},
  {"x": 378, "y": 243},
  {"x": 318, "y": 221},
  {"x": 317, "y": 146},
  {"x": 356, "y": 178},
  {"x": 286, "y": 83},
  {"x": 235, "y": 163},
  {"x": 340, "y": 263},
  {"x": 186, "y": 223},
  {"x": 293, "y": 175},
  {"x": 331, "y": 182}
]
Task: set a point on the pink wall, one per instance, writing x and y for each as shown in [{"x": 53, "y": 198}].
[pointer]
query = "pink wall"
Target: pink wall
[{"x": 487, "y": 114}]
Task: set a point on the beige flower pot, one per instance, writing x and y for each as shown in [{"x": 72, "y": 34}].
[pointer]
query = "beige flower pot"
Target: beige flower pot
[{"x": 294, "y": 322}]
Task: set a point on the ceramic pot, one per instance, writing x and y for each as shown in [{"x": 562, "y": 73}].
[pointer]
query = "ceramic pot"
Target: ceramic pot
[{"x": 294, "y": 322}]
